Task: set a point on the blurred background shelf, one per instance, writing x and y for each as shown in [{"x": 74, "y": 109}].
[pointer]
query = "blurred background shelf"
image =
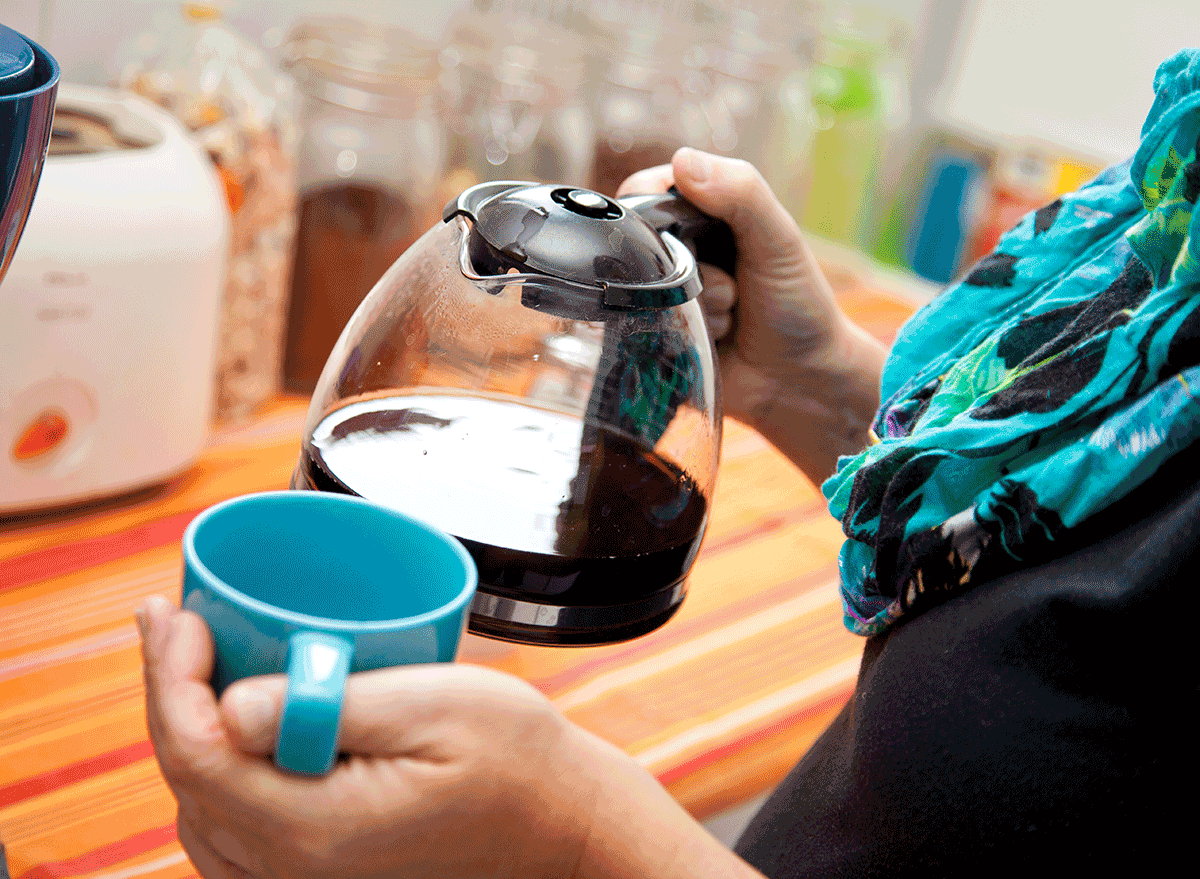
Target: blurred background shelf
[
  {"x": 1004, "y": 81},
  {"x": 904, "y": 136}
]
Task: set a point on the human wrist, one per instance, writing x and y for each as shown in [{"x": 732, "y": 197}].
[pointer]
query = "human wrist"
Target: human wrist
[
  {"x": 639, "y": 831},
  {"x": 821, "y": 406},
  {"x": 556, "y": 802}
]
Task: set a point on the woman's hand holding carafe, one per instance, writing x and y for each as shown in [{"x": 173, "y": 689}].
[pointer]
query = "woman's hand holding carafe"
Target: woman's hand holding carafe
[{"x": 793, "y": 365}]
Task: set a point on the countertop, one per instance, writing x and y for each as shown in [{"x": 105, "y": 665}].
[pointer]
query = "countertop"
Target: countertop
[{"x": 718, "y": 704}]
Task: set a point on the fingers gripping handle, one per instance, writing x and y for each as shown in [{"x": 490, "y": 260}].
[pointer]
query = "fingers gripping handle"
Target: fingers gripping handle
[
  {"x": 308, "y": 731},
  {"x": 709, "y": 239}
]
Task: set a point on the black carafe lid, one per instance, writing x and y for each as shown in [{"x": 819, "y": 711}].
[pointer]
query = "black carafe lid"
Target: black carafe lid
[{"x": 592, "y": 248}]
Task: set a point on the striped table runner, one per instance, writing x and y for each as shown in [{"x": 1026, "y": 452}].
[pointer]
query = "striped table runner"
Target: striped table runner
[{"x": 718, "y": 703}]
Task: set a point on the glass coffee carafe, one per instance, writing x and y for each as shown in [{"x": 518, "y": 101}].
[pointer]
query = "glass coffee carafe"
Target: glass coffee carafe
[{"x": 535, "y": 377}]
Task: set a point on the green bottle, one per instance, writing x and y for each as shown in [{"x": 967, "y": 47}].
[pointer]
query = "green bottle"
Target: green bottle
[{"x": 847, "y": 144}]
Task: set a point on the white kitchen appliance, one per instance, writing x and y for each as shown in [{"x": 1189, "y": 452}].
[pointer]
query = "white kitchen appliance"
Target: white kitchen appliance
[{"x": 110, "y": 308}]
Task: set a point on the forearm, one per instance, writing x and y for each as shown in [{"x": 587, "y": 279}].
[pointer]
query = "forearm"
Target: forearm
[
  {"x": 640, "y": 832},
  {"x": 824, "y": 409}
]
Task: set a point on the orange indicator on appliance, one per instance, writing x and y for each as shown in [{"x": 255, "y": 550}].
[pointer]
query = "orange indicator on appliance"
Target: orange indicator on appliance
[{"x": 44, "y": 434}]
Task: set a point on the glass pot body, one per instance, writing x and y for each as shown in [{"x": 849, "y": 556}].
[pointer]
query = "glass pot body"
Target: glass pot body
[{"x": 574, "y": 456}]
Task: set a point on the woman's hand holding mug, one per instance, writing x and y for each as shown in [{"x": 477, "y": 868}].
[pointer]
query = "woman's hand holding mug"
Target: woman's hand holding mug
[{"x": 447, "y": 770}]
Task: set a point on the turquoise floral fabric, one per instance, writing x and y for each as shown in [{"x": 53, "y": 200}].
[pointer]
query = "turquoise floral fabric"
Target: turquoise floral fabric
[{"x": 1054, "y": 378}]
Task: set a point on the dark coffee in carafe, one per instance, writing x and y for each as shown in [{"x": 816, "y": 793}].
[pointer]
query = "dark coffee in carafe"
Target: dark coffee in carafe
[{"x": 546, "y": 503}]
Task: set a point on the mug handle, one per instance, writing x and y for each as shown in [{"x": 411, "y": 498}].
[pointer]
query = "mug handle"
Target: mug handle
[{"x": 318, "y": 664}]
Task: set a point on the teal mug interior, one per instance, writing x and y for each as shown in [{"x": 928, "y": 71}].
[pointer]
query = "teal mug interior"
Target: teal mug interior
[{"x": 316, "y": 555}]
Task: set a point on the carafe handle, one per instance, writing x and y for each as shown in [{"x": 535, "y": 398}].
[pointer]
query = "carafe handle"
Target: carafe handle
[{"x": 709, "y": 239}]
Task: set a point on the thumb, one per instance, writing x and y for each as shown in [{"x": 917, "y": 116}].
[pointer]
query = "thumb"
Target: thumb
[{"x": 734, "y": 191}]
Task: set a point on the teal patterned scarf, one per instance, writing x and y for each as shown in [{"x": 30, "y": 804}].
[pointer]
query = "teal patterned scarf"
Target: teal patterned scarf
[{"x": 1041, "y": 388}]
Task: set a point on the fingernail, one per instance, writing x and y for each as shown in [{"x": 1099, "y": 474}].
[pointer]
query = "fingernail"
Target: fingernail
[
  {"x": 152, "y": 617},
  {"x": 179, "y": 658},
  {"x": 699, "y": 165},
  {"x": 253, "y": 710}
]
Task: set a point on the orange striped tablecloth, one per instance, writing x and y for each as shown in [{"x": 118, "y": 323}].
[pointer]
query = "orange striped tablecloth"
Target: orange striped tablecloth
[{"x": 718, "y": 704}]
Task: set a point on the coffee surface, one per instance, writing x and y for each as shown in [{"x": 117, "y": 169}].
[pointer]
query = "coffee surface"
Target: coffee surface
[{"x": 544, "y": 501}]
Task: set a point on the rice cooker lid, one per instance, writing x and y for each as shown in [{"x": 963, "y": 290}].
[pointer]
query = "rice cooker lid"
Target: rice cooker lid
[{"x": 17, "y": 70}]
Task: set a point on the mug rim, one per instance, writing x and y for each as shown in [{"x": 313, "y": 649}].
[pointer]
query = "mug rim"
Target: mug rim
[{"x": 307, "y": 621}]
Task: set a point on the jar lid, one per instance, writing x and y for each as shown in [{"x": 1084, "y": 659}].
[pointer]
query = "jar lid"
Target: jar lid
[
  {"x": 387, "y": 66},
  {"x": 17, "y": 71},
  {"x": 503, "y": 45},
  {"x": 744, "y": 49}
]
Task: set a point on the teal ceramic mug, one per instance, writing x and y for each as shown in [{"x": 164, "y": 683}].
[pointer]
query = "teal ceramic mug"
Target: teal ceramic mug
[{"x": 320, "y": 585}]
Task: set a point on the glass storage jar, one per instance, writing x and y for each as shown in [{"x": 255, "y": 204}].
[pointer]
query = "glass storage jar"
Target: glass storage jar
[
  {"x": 650, "y": 100},
  {"x": 370, "y": 163},
  {"x": 850, "y": 108},
  {"x": 511, "y": 88},
  {"x": 241, "y": 111}
]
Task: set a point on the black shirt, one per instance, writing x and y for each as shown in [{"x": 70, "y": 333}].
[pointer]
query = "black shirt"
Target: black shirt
[{"x": 1042, "y": 719}]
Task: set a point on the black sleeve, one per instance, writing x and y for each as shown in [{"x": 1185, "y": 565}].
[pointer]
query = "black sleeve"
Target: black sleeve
[{"x": 1038, "y": 720}]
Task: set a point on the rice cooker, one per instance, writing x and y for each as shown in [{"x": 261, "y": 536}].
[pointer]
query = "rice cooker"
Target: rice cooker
[{"x": 109, "y": 312}]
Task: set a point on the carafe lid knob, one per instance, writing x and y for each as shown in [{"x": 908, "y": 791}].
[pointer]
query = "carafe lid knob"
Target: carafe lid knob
[{"x": 590, "y": 204}]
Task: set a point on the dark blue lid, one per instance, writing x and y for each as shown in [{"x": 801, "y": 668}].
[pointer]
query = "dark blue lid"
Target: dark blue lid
[{"x": 17, "y": 72}]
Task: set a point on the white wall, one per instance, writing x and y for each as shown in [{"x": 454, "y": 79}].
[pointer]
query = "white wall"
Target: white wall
[{"x": 1076, "y": 73}]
